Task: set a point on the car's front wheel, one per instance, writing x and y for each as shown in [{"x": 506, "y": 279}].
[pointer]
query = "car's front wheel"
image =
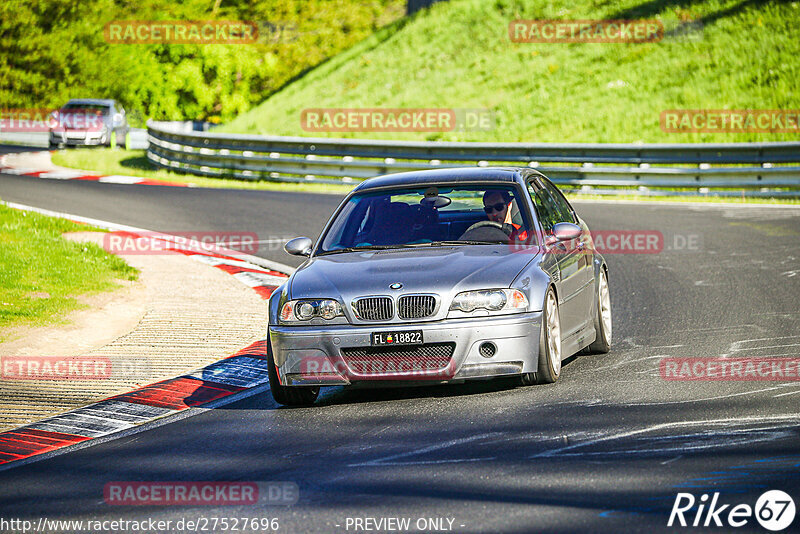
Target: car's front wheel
[
  {"x": 602, "y": 317},
  {"x": 287, "y": 396},
  {"x": 550, "y": 341}
]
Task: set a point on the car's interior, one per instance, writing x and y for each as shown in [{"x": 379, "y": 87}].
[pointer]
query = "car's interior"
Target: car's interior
[{"x": 387, "y": 220}]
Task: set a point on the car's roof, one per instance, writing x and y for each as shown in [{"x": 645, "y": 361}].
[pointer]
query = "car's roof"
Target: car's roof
[
  {"x": 92, "y": 101},
  {"x": 452, "y": 174}
]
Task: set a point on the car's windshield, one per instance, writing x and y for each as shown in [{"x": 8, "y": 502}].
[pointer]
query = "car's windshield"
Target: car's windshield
[
  {"x": 87, "y": 108},
  {"x": 430, "y": 216}
]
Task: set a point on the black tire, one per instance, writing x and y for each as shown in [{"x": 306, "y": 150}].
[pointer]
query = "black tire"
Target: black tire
[
  {"x": 602, "y": 343},
  {"x": 549, "y": 360},
  {"x": 527, "y": 379},
  {"x": 287, "y": 396}
]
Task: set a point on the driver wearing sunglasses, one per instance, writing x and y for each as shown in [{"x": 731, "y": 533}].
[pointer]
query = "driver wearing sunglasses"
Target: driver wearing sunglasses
[{"x": 497, "y": 205}]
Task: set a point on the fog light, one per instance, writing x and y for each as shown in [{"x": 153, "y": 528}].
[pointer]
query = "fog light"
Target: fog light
[{"x": 487, "y": 349}]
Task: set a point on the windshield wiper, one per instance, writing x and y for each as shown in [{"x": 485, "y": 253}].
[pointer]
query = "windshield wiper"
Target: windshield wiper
[
  {"x": 364, "y": 247},
  {"x": 407, "y": 245},
  {"x": 463, "y": 242}
]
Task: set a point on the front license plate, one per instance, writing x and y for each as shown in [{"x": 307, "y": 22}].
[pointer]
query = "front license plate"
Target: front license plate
[{"x": 406, "y": 337}]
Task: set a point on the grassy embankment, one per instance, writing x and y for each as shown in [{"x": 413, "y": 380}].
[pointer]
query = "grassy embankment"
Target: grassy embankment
[
  {"x": 41, "y": 274},
  {"x": 457, "y": 54}
]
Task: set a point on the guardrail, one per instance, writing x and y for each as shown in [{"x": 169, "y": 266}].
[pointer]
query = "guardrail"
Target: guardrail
[{"x": 592, "y": 167}]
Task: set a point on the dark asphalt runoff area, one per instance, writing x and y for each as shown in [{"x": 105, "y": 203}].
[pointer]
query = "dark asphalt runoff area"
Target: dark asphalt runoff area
[{"x": 605, "y": 449}]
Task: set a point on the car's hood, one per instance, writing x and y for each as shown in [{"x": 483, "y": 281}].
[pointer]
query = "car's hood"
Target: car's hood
[{"x": 442, "y": 270}]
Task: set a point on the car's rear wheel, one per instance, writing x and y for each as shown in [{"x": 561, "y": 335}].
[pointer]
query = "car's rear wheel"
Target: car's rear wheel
[
  {"x": 550, "y": 341},
  {"x": 602, "y": 317},
  {"x": 287, "y": 396}
]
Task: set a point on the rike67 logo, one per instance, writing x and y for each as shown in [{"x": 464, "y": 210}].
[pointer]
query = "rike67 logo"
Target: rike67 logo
[{"x": 774, "y": 510}]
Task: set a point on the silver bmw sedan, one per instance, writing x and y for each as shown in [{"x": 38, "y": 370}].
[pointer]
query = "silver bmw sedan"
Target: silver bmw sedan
[{"x": 439, "y": 276}]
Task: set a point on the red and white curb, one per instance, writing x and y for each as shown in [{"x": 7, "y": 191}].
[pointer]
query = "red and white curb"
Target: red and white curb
[
  {"x": 49, "y": 174},
  {"x": 234, "y": 377}
]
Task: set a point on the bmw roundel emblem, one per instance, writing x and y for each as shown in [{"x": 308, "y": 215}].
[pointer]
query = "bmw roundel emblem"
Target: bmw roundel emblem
[{"x": 396, "y": 285}]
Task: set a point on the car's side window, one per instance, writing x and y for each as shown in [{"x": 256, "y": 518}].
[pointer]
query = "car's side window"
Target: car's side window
[
  {"x": 546, "y": 208},
  {"x": 564, "y": 209}
]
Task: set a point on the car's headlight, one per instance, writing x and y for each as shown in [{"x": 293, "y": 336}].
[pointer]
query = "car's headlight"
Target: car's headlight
[
  {"x": 491, "y": 300},
  {"x": 307, "y": 309}
]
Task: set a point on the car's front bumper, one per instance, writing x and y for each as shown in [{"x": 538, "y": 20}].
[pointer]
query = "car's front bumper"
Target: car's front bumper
[
  {"x": 311, "y": 355},
  {"x": 88, "y": 138}
]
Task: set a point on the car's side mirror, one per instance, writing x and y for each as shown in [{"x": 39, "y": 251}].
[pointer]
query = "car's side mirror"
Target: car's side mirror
[
  {"x": 565, "y": 231},
  {"x": 118, "y": 119},
  {"x": 299, "y": 246}
]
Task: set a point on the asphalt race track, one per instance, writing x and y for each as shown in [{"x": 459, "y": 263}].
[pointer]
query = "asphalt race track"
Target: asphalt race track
[{"x": 607, "y": 448}]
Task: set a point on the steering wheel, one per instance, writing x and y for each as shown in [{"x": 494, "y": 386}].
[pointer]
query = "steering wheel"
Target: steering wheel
[
  {"x": 487, "y": 231},
  {"x": 505, "y": 228}
]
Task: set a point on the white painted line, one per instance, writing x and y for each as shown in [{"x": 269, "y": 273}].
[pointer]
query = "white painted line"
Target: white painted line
[
  {"x": 769, "y": 347},
  {"x": 784, "y": 394},
  {"x": 663, "y": 426},
  {"x": 738, "y": 343},
  {"x": 20, "y": 170},
  {"x": 87, "y": 220},
  {"x": 628, "y": 362},
  {"x": 431, "y": 448},
  {"x": 259, "y": 279},
  {"x": 697, "y": 400},
  {"x": 212, "y": 260},
  {"x": 729, "y": 438},
  {"x": 62, "y": 175},
  {"x": 119, "y": 179}
]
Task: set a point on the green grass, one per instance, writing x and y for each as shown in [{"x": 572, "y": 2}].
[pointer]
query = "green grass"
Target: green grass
[
  {"x": 135, "y": 163},
  {"x": 457, "y": 54},
  {"x": 41, "y": 273}
]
